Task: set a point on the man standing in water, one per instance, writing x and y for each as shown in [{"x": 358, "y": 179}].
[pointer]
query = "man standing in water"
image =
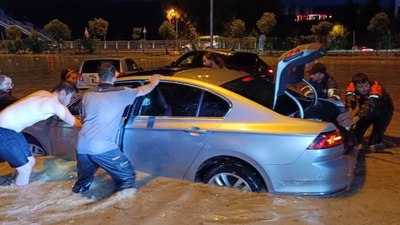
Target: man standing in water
[
  {"x": 102, "y": 109},
  {"x": 35, "y": 107}
]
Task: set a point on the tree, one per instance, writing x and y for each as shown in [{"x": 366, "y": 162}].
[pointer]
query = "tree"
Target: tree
[
  {"x": 379, "y": 24},
  {"x": 33, "y": 43},
  {"x": 321, "y": 31},
  {"x": 338, "y": 37},
  {"x": 167, "y": 32},
  {"x": 13, "y": 33},
  {"x": 59, "y": 31},
  {"x": 192, "y": 35},
  {"x": 266, "y": 23},
  {"x": 98, "y": 28},
  {"x": 136, "y": 33},
  {"x": 238, "y": 28}
]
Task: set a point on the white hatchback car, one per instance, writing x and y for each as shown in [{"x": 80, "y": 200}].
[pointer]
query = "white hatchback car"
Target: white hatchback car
[{"x": 87, "y": 76}]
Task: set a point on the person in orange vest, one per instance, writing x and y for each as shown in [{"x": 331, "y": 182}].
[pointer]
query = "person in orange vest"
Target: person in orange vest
[{"x": 371, "y": 105}]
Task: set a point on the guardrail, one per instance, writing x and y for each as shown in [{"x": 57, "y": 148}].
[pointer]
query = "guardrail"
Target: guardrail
[{"x": 177, "y": 46}]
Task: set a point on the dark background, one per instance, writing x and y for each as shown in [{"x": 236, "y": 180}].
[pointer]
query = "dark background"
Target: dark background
[{"x": 122, "y": 16}]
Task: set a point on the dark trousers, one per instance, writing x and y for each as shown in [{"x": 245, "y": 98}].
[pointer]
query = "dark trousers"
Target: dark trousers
[
  {"x": 379, "y": 122},
  {"x": 113, "y": 162}
]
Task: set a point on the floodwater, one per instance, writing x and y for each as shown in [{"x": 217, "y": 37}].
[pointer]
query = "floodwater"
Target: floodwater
[
  {"x": 34, "y": 72},
  {"x": 372, "y": 199}
]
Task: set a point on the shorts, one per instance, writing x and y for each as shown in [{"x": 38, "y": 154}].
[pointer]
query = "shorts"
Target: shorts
[{"x": 14, "y": 148}]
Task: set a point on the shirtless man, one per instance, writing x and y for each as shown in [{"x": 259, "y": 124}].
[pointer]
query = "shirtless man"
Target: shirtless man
[{"x": 35, "y": 107}]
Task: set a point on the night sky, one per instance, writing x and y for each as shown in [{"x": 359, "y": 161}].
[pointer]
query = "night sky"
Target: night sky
[
  {"x": 123, "y": 17},
  {"x": 384, "y": 3}
]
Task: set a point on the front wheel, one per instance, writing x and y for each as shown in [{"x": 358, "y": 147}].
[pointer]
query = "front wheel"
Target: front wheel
[
  {"x": 234, "y": 175},
  {"x": 35, "y": 147}
]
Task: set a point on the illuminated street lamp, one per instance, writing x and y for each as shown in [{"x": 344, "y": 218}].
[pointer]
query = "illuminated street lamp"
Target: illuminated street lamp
[
  {"x": 338, "y": 29},
  {"x": 173, "y": 14}
]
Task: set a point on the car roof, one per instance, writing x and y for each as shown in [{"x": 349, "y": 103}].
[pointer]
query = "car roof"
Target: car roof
[
  {"x": 106, "y": 58},
  {"x": 208, "y": 75},
  {"x": 225, "y": 52}
]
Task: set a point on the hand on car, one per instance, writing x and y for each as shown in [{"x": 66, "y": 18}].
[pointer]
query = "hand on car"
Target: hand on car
[
  {"x": 346, "y": 120},
  {"x": 155, "y": 78}
]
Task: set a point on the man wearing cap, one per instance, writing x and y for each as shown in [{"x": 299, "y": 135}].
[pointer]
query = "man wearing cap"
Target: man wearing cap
[{"x": 324, "y": 84}]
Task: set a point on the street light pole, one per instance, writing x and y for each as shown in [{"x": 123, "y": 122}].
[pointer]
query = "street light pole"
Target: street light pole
[
  {"x": 174, "y": 15},
  {"x": 176, "y": 27},
  {"x": 211, "y": 23}
]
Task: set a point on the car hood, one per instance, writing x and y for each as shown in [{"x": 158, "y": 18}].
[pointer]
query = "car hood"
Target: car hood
[{"x": 290, "y": 69}]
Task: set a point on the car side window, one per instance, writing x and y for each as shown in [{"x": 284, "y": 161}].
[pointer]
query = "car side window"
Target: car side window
[
  {"x": 131, "y": 65},
  {"x": 171, "y": 99},
  {"x": 76, "y": 105},
  {"x": 213, "y": 106},
  {"x": 187, "y": 61}
]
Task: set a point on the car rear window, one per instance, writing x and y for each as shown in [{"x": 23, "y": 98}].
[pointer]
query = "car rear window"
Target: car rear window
[
  {"x": 242, "y": 60},
  {"x": 253, "y": 88},
  {"x": 262, "y": 92},
  {"x": 90, "y": 66}
]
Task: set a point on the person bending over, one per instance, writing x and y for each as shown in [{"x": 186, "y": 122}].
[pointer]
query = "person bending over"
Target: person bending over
[
  {"x": 375, "y": 107},
  {"x": 102, "y": 110},
  {"x": 35, "y": 107}
]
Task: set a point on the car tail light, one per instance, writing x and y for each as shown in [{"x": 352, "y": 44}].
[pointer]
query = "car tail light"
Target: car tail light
[
  {"x": 248, "y": 79},
  {"x": 79, "y": 77},
  {"x": 270, "y": 71},
  {"x": 326, "y": 140}
]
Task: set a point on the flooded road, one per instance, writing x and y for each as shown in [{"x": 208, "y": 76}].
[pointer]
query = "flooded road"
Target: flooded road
[
  {"x": 372, "y": 199},
  {"x": 34, "y": 72}
]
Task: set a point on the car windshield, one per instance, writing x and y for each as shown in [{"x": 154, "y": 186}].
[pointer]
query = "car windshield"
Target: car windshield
[{"x": 91, "y": 66}]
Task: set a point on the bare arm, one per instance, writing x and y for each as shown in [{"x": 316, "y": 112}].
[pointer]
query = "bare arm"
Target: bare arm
[
  {"x": 145, "y": 89},
  {"x": 64, "y": 114}
]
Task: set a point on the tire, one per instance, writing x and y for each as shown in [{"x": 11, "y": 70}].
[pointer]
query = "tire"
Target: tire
[
  {"x": 35, "y": 147},
  {"x": 234, "y": 175}
]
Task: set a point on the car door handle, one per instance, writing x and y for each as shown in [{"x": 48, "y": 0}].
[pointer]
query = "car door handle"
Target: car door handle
[{"x": 195, "y": 130}]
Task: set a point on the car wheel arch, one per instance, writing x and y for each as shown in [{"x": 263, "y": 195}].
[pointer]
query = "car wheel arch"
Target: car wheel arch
[
  {"x": 35, "y": 142},
  {"x": 217, "y": 161}
]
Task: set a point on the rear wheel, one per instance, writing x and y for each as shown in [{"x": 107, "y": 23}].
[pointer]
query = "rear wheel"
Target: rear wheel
[
  {"x": 35, "y": 147},
  {"x": 234, "y": 175}
]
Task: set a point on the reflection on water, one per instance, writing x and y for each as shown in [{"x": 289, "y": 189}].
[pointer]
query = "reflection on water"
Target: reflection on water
[{"x": 34, "y": 72}]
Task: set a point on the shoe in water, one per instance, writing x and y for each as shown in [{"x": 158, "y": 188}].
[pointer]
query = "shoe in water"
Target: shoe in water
[
  {"x": 81, "y": 189},
  {"x": 378, "y": 147}
]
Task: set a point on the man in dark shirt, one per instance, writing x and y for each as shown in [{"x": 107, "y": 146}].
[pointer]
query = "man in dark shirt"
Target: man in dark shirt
[
  {"x": 325, "y": 85},
  {"x": 375, "y": 107}
]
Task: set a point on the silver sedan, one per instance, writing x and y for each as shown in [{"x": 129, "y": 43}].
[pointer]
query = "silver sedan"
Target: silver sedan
[{"x": 218, "y": 127}]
